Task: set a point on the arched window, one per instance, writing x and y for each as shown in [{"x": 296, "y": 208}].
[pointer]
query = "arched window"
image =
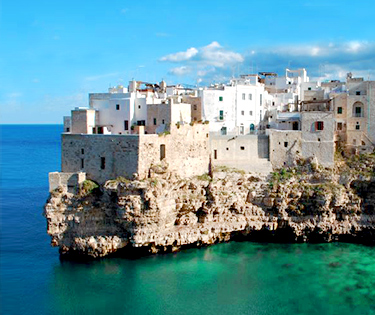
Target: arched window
[{"x": 358, "y": 109}]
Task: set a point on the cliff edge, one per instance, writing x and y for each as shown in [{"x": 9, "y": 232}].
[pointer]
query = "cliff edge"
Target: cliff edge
[{"x": 304, "y": 203}]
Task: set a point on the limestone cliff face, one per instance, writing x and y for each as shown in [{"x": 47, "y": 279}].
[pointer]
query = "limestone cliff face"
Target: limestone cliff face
[{"x": 164, "y": 212}]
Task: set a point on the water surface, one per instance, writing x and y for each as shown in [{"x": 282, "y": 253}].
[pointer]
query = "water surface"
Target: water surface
[{"x": 231, "y": 278}]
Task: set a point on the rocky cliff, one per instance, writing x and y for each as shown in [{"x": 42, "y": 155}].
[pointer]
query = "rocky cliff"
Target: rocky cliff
[{"x": 164, "y": 212}]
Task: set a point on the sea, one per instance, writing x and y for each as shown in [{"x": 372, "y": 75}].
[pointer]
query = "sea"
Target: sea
[{"x": 229, "y": 278}]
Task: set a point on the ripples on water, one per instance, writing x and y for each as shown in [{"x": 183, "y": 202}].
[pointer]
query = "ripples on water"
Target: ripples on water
[{"x": 232, "y": 278}]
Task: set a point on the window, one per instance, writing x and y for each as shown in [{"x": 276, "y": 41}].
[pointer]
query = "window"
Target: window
[
  {"x": 358, "y": 93},
  {"x": 221, "y": 115},
  {"x": 358, "y": 112},
  {"x": 102, "y": 163},
  {"x": 220, "y": 98},
  {"x": 126, "y": 125},
  {"x": 223, "y": 131},
  {"x": 162, "y": 151},
  {"x": 243, "y": 96},
  {"x": 242, "y": 148},
  {"x": 339, "y": 110},
  {"x": 319, "y": 125},
  {"x": 82, "y": 163},
  {"x": 357, "y": 126},
  {"x": 251, "y": 113},
  {"x": 82, "y": 151},
  {"x": 154, "y": 121},
  {"x": 339, "y": 126},
  {"x": 195, "y": 107},
  {"x": 100, "y": 130},
  {"x": 117, "y": 106},
  {"x": 260, "y": 114},
  {"x": 68, "y": 129},
  {"x": 260, "y": 99},
  {"x": 163, "y": 121},
  {"x": 242, "y": 130},
  {"x": 309, "y": 88},
  {"x": 285, "y": 144},
  {"x": 242, "y": 112},
  {"x": 141, "y": 123},
  {"x": 250, "y": 96},
  {"x": 215, "y": 154},
  {"x": 139, "y": 106}
]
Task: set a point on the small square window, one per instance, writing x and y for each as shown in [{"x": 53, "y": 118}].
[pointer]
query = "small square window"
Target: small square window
[
  {"x": 339, "y": 126},
  {"x": 339, "y": 110},
  {"x": 117, "y": 106},
  {"x": 358, "y": 93},
  {"x": 139, "y": 106},
  {"x": 242, "y": 148},
  {"x": 154, "y": 121},
  {"x": 251, "y": 113},
  {"x": 285, "y": 144},
  {"x": 357, "y": 126},
  {"x": 220, "y": 98},
  {"x": 309, "y": 88},
  {"x": 242, "y": 112},
  {"x": 319, "y": 125}
]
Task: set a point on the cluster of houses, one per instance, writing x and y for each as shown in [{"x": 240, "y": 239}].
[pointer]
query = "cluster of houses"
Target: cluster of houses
[{"x": 255, "y": 122}]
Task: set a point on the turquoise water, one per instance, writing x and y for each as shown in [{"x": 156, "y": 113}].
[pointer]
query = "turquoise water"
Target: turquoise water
[{"x": 231, "y": 278}]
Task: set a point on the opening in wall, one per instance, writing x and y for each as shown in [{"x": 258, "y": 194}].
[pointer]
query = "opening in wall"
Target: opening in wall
[
  {"x": 162, "y": 152},
  {"x": 102, "y": 163},
  {"x": 215, "y": 154}
]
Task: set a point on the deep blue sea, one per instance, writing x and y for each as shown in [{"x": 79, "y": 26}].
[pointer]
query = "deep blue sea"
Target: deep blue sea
[{"x": 231, "y": 278}]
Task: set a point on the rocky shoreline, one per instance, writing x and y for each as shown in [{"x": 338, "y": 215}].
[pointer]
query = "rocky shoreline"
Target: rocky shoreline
[{"x": 164, "y": 213}]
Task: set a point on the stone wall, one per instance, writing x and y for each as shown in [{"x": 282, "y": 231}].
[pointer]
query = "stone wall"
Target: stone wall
[
  {"x": 284, "y": 147},
  {"x": 104, "y": 157},
  {"x": 318, "y": 143},
  {"x": 69, "y": 182},
  {"x": 186, "y": 150},
  {"x": 101, "y": 157},
  {"x": 249, "y": 152}
]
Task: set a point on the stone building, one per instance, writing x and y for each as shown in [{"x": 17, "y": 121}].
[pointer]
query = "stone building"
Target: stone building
[
  {"x": 184, "y": 150},
  {"x": 315, "y": 139}
]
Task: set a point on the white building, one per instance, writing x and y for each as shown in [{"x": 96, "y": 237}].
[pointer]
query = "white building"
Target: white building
[{"x": 236, "y": 108}]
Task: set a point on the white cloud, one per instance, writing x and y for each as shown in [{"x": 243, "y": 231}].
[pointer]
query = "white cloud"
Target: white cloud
[
  {"x": 181, "y": 56},
  {"x": 204, "y": 61},
  {"x": 180, "y": 71},
  {"x": 331, "y": 60}
]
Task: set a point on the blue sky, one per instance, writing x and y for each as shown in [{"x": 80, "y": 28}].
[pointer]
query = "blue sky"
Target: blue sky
[{"x": 53, "y": 53}]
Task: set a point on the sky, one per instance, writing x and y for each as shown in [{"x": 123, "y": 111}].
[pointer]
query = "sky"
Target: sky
[{"x": 53, "y": 53}]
